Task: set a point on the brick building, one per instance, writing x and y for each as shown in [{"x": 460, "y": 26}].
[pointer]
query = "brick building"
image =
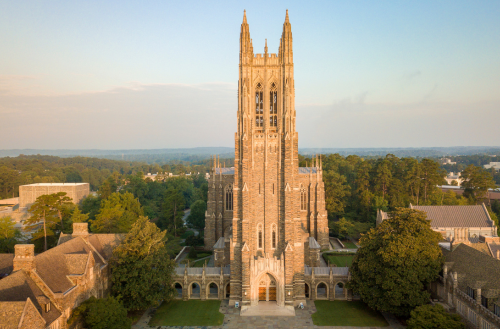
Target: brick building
[
  {"x": 266, "y": 217},
  {"x": 41, "y": 291}
]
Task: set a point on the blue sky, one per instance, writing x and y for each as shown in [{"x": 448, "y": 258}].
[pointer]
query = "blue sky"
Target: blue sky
[{"x": 163, "y": 74}]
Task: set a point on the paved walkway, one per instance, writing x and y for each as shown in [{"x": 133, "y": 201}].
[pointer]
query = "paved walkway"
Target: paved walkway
[{"x": 232, "y": 319}]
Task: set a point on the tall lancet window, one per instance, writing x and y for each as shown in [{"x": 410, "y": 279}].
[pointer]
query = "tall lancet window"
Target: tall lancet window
[
  {"x": 259, "y": 106},
  {"x": 273, "y": 106},
  {"x": 259, "y": 236},
  {"x": 273, "y": 236},
  {"x": 303, "y": 198},
  {"x": 229, "y": 197}
]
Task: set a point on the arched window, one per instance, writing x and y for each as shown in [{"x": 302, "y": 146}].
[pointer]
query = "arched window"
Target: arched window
[
  {"x": 259, "y": 106},
  {"x": 273, "y": 236},
  {"x": 260, "y": 237},
  {"x": 229, "y": 197},
  {"x": 303, "y": 198},
  {"x": 273, "y": 106}
]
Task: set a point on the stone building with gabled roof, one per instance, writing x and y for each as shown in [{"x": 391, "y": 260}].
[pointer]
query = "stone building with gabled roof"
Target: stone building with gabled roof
[
  {"x": 470, "y": 284},
  {"x": 460, "y": 224},
  {"x": 59, "y": 279}
]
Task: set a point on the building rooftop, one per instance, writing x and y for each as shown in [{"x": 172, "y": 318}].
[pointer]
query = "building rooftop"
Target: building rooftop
[
  {"x": 55, "y": 184},
  {"x": 457, "y": 216},
  {"x": 475, "y": 269}
]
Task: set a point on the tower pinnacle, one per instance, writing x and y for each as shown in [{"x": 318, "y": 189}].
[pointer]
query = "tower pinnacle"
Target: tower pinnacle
[
  {"x": 245, "y": 16},
  {"x": 286, "y": 18}
]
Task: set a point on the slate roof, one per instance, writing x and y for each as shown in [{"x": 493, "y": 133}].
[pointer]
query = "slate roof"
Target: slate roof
[
  {"x": 6, "y": 264},
  {"x": 224, "y": 171},
  {"x": 18, "y": 287},
  {"x": 53, "y": 267},
  {"x": 457, "y": 216},
  {"x": 475, "y": 269},
  {"x": 307, "y": 170},
  {"x": 10, "y": 314},
  {"x": 313, "y": 244},
  {"x": 220, "y": 243},
  {"x": 494, "y": 248}
]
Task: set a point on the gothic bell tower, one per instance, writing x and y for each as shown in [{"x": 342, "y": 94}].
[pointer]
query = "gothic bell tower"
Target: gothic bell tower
[{"x": 267, "y": 232}]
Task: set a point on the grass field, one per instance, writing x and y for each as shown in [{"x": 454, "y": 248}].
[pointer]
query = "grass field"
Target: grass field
[
  {"x": 349, "y": 245},
  {"x": 188, "y": 313},
  {"x": 339, "y": 260},
  {"x": 346, "y": 313}
]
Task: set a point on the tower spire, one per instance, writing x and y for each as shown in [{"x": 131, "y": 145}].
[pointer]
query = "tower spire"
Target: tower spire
[
  {"x": 286, "y": 18},
  {"x": 245, "y": 16},
  {"x": 265, "y": 48}
]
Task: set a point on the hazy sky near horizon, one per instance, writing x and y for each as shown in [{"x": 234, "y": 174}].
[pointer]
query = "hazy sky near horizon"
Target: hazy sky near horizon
[{"x": 163, "y": 74}]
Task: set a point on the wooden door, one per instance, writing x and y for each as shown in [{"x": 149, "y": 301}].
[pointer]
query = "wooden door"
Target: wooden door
[
  {"x": 262, "y": 293},
  {"x": 272, "y": 293}
]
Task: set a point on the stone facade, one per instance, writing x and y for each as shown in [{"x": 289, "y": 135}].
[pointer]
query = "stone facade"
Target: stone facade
[
  {"x": 63, "y": 277},
  {"x": 265, "y": 209},
  {"x": 469, "y": 285},
  {"x": 29, "y": 193}
]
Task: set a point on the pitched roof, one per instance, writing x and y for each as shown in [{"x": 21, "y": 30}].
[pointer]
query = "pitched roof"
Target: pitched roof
[
  {"x": 313, "y": 244},
  {"x": 6, "y": 264},
  {"x": 52, "y": 265},
  {"x": 220, "y": 243},
  {"x": 475, "y": 269},
  {"x": 224, "y": 171},
  {"x": 457, "y": 216},
  {"x": 307, "y": 170},
  {"x": 18, "y": 287},
  {"x": 10, "y": 314}
]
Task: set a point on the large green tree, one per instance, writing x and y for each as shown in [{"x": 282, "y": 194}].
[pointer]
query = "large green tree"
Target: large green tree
[
  {"x": 196, "y": 218},
  {"x": 141, "y": 270},
  {"x": 60, "y": 201},
  {"x": 173, "y": 209},
  {"x": 476, "y": 182},
  {"x": 434, "y": 317},
  {"x": 102, "y": 313},
  {"x": 43, "y": 217},
  {"x": 396, "y": 262},
  {"x": 117, "y": 214},
  {"x": 9, "y": 234}
]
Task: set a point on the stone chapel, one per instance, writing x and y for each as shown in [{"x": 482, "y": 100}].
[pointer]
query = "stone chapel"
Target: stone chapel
[{"x": 266, "y": 218}]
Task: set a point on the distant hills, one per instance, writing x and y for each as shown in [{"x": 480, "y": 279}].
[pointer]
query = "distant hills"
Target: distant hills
[{"x": 203, "y": 153}]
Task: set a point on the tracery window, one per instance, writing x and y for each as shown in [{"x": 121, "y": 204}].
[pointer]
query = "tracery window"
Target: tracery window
[
  {"x": 303, "y": 198},
  {"x": 259, "y": 106},
  {"x": 273, "y": 106},
  {"x": 229, "y": 198},
  {"x": 259, "y": 236}
]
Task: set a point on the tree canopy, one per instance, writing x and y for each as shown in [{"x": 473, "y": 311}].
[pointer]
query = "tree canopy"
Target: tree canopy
[
  {"x": 196, "y": 218},
  {"x": 9, "y": 234},
  {"x": 117, "y": 213},
  {"x": 434, "y": 317},
  {"x": 476, "y": 183},
  {"x": 141, "y": 270},
  {"x": 396, "y": 262}
]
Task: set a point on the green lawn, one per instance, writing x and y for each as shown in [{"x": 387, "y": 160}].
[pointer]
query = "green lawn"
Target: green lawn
[
  {"x": 338, "y": 259},
  {"x": 188, "y": 313},
  {"x": 349, "y": 245},
  {"x": 346, "y": 313}
]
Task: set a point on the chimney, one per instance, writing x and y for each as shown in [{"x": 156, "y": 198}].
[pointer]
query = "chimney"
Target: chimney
[
  {"x": 81, "y": 229},
  {"x": 24, "y": 257}
]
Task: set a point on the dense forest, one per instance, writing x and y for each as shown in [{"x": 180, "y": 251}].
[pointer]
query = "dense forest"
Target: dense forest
[{"x": 31, "y": 169}]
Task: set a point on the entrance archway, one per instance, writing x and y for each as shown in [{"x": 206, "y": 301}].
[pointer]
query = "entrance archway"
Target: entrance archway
[
  {"x": 178, "y": 289},
  {"x": 266, "y": 288}
]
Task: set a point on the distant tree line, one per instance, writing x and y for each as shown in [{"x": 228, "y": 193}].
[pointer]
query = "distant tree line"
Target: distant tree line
[
  {"x": 355, "y": 188},
  {"x": 31, "y": 169}
]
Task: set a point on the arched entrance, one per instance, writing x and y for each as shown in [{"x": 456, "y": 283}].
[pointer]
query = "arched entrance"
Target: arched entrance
[{"x": 266, "y": 288}]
